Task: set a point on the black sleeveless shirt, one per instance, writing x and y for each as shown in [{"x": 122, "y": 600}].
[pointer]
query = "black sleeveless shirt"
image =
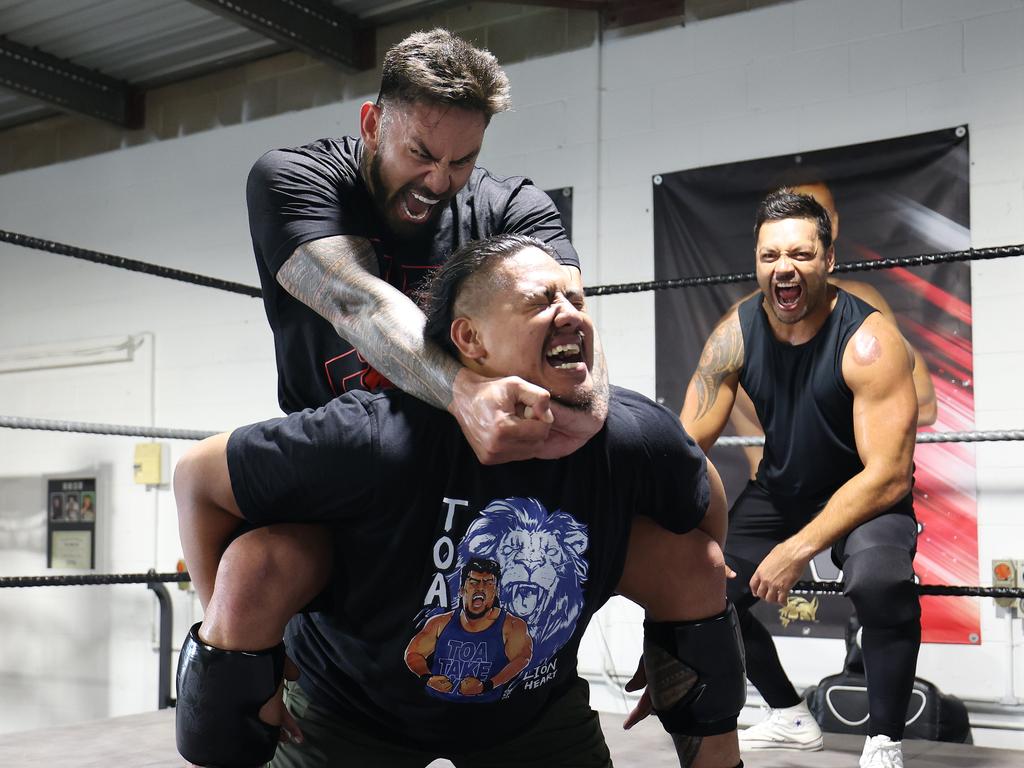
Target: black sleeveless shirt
[{"x": 803, "y": 402}]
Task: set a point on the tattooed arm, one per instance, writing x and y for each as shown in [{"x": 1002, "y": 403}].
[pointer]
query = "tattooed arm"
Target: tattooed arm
[
  {"x": 712, "y": 390},
  {"x": 337, "y": 278}
]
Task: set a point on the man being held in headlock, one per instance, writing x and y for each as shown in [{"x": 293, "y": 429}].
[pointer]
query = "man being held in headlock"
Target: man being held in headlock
[
  {"x": 636, "y": 510},
  {"x": 831, "y": 380}
]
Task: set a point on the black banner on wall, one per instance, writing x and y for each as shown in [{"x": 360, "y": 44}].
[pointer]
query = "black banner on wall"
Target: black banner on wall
[
  {"x": 562, "y": 198},
  {"x": 896, "y": 197}
]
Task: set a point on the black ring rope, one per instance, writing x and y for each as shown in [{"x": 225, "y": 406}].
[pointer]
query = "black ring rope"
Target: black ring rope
[
  {"x": 942, "y": 590},
  {"x": 125, "y": 430},
  {"x": 970, "y": 254},
  {"x": 815, "y": 587},
  {"x": 27, "y": 241},
  {"x": 926, "y": 259},
  {"x": 92, "y": 579}
]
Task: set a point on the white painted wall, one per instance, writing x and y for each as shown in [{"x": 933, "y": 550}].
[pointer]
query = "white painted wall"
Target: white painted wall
[{"x": 795, "y": 77}]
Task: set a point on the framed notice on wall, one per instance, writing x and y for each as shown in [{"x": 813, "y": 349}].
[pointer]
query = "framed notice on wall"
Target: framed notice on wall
[{"x": 71, "y": 523}]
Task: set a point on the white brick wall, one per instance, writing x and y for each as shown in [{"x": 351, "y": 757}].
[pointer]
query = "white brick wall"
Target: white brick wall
[{"x": 788, "y": 78}]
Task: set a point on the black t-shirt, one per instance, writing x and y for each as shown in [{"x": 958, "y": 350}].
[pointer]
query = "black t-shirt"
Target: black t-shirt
[
  {"x": 314, "y": 191},
  {"x": 803, "y": 402},
  {"x": 409, "y": 503}
]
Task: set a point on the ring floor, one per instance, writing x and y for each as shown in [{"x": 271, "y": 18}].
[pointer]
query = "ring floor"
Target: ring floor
[{"x": 147, "y": 741}]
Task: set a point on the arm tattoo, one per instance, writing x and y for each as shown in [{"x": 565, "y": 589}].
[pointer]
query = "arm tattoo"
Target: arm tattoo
[
  {"x": 722, "y": 357},
  {"x": 337, "y": 278}
]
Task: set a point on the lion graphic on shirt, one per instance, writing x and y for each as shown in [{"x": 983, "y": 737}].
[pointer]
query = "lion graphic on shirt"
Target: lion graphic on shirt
[{"x": 542, "y": 567}]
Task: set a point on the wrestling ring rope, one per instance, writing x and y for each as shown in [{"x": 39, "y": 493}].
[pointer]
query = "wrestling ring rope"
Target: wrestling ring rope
[{"x": 155, "y": 581}]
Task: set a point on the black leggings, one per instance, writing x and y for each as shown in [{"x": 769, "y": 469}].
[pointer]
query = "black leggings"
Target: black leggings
[{"x": 876, "y": 558}]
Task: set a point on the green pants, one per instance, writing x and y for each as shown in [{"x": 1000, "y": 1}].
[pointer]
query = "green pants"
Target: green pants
[{"x": 568, "y": 735}]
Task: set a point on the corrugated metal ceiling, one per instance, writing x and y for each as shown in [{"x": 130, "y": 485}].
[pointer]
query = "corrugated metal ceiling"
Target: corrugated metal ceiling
[{"x": 149, "y": 42}]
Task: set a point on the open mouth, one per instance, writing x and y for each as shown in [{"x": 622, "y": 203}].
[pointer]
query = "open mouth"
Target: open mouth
[
  {"x": 525, "y": 598},
  {"x": 787, "y": 295},
  {"x": 566, "y": 355},
  {"x": 417, "y": 207}
]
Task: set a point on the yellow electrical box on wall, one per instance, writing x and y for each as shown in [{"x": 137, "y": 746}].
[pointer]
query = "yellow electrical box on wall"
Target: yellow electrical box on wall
[{"x": 149, "y": 463}]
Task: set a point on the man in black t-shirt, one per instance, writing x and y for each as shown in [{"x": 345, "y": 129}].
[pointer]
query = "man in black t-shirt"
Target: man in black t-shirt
[
  {"x": 635, "y": 511},
  {"x": 344, "y": 229}
]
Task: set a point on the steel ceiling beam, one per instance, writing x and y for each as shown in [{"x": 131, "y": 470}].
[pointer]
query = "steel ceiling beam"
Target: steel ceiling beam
[
  {"x": 311, "y": 26},
  {"x": 617, "y": 13},
  {"x": 69, "y": 86}
]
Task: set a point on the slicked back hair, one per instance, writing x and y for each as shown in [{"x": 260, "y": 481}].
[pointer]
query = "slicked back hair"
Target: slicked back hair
[
  {"x": 438, "y": 67},
  {"x": 438, "y": 296},
  {"x": 784, "y": 203}
]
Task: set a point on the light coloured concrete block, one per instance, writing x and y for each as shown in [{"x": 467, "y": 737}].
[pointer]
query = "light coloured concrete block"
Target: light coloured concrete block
[
  {"x": 573, "y": 165},
  {"x": 997, "y": 153},
  {"x": 626, "y": 111},
  {"x": 666, "y": 54},
  {"x": 920, "y": 56},
  {"x": 926, "y": 13},
  {"x": 997, "y": 213},
  {"x": 854, "y": 119},
  {"x": 809, "y": 77},
  {"x": 749, "y": 137},
  {"x": 990, "y": 317},
  {"x": 712, "y": 95},
  {"x": 532, "y": 128},
  {"x": 823, "y": 23},
  {"x": 564, "y": 74},
  {"x": 980, "y": 101},
  {"x": 744, "y": 38},
  {"x": 651, "y": 152},
  {"x": 993, "y": 388},
  {"x": 994, "y": 41},
  {"x": 1002, "y": 277}
]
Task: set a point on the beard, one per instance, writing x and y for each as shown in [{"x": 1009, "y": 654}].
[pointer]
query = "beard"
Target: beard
[
  {"x": 477, "y": 614},
  {"x": 385, "y": 204}
]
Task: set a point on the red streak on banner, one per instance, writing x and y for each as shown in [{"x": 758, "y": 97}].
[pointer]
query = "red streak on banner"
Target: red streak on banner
[{"x": 944, "y": 300}]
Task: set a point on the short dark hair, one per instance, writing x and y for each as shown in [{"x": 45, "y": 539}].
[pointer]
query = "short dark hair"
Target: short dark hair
[
  {"x": 480, "y": 565},
  {"x": 784, "y": 203},
  {"x": 438, "y": 296},
  {"x": 437, "y": 66}
]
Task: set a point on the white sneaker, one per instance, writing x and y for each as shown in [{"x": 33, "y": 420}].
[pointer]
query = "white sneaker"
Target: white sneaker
[
  {"x": 789, "y": 728},
  {"x": 881, "y": 752}
]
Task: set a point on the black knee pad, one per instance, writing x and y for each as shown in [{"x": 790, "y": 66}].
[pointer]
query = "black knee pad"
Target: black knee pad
[
  {"x": 880, "y": 582},
  {"x": 220, "y": 694},
  {"x": 695, "y": 673}
]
